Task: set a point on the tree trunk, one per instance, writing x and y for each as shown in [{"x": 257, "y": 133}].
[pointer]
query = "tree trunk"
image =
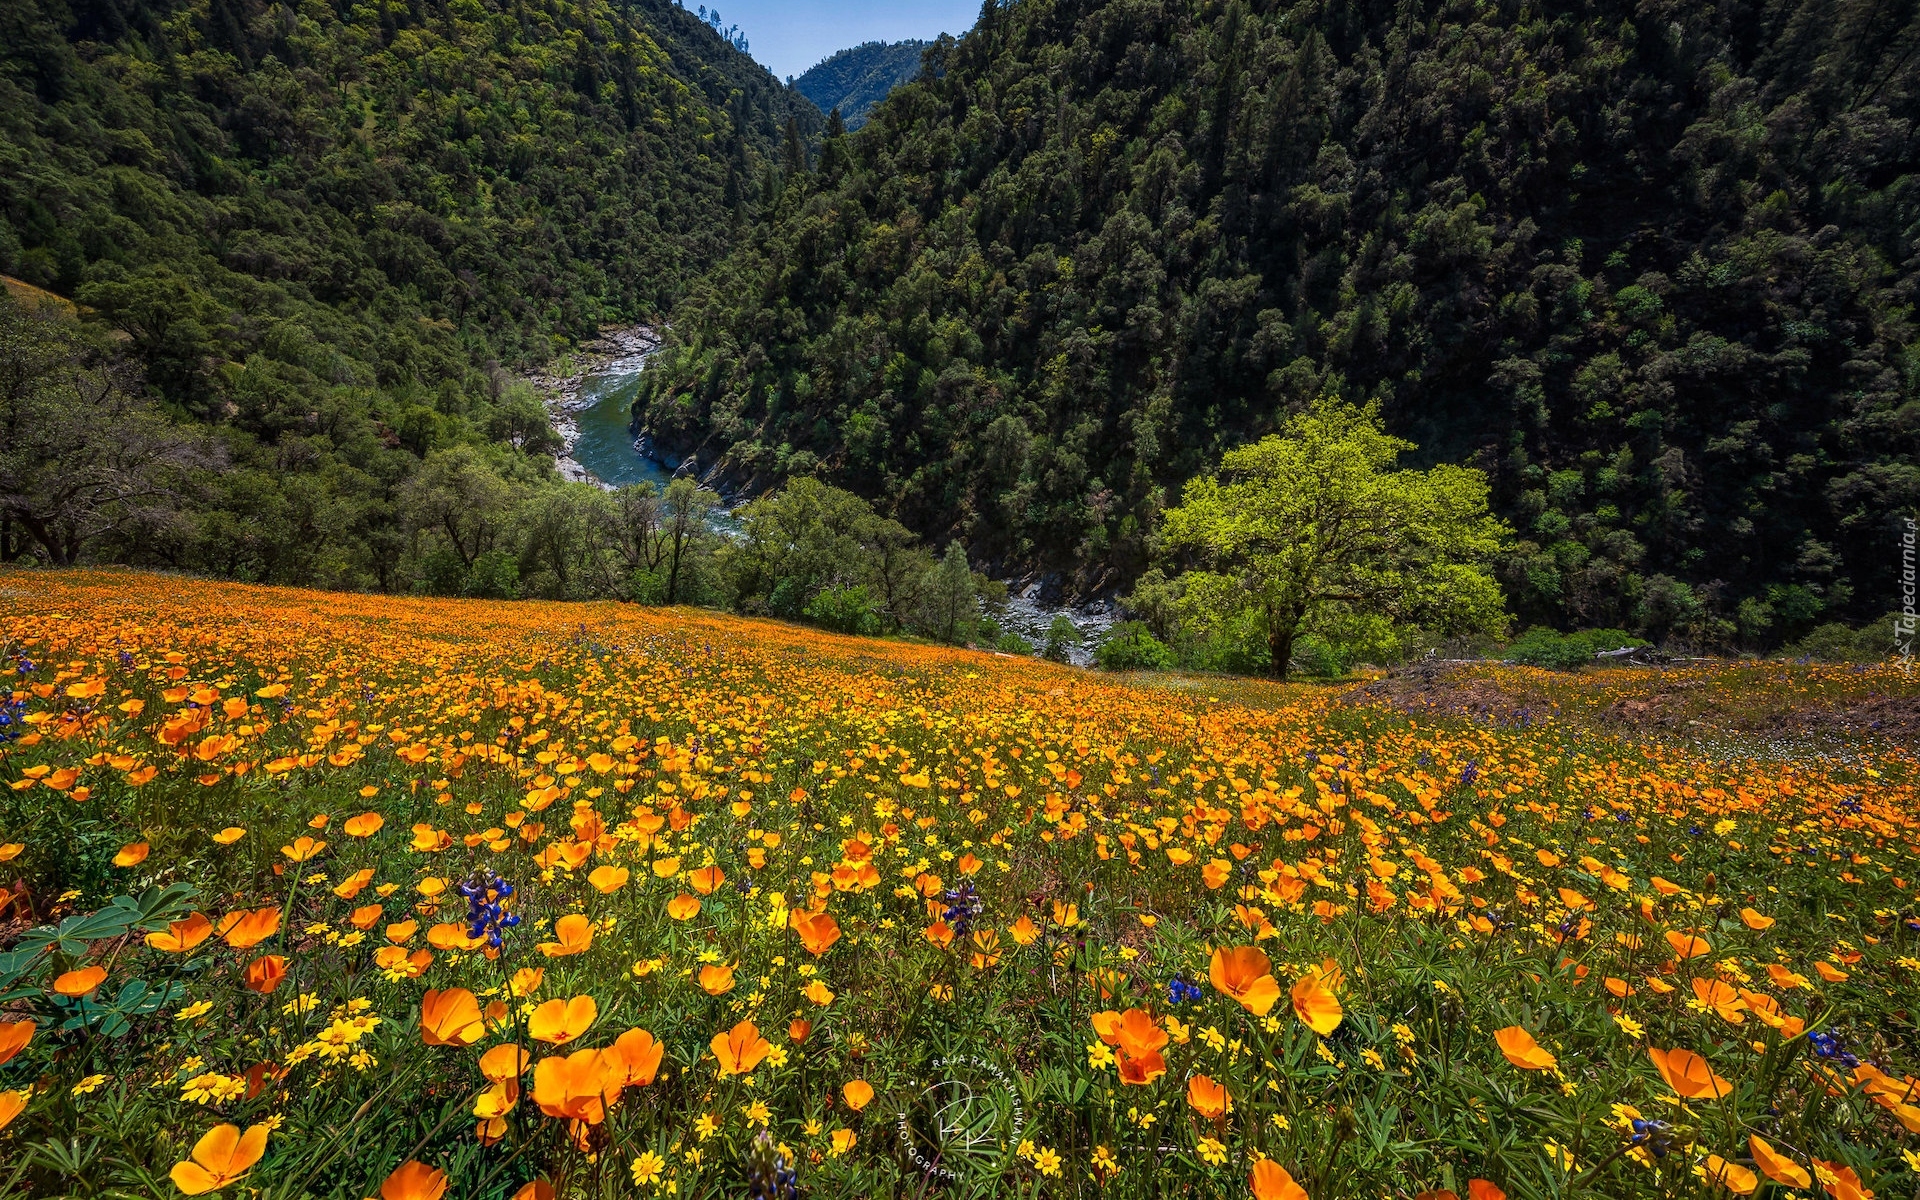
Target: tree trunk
[{"x": 1280, "y": 645}]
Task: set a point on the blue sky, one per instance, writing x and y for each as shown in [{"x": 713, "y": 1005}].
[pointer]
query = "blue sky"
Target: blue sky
[{"x": 791, "y": 35}]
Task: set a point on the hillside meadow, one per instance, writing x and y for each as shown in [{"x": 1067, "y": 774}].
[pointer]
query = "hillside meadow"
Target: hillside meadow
[{"x": 345, "y": 896}]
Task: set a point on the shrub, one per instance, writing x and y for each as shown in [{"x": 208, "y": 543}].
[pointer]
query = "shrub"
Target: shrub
[
  {"x": 1131, "y": 646},
  {"x": 1835, "y": 642},
  {"x": 1062, "y": 637},
  {"x": 1013, "y": 643},
  {"x": 845, "y": 610},
  {"x": 1542, "y": 647}
]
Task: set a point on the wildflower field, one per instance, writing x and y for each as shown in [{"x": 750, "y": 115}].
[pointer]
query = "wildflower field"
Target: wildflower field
[{"x": 340, "y": 896}]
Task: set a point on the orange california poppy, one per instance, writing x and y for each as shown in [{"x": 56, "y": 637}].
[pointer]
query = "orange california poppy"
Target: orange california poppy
[
  {"x": 638, "y": 1054},
  {"x": 450, "y": 1018},
  {"x": 1140, "y": 1070},
  {"x": 716, "y": 979},
  {"x": 1269, "y": 1181},
  {"x": 1687, "y": 945},
  {"x": 351, "y": 886},
  {"x": 365, "y": 825},
  {"x": 1722, "y": 998},
  {"x": 222, "y": 1155},
  {"x": 707, "y": 880},
  {"x": 366, "y": 916},
  {"x": 1024, "y": 931},
  {"x": 1484, "y": 1189},
  {"x": 1689, "y": 1075},
  {"x": 818, "y": 930},
  {"x": 182, "y": 935},
  {"x": 1135, "y": 1033},
  {"x": 575, "y": 1087},
  {"x": 265, "y": 973},
  {"x": 12, "y": 1104},
  {"x": 504, "y": 1062},
  {"x": 797, "y": 1030},
  {"x": 1840, "y": 1181},
  {"x": 244, "y": 929},
  {"x": 683, "y": 906},
  {"x": 536, "y": 1189},
  {"x": 303, "y": 849},
  {"x": 1208, "y": 1098},
  {"x": 609, "y": 879},
  {"x": 1246, "y": 974},
  {"x": 131, "y": 855},
  {"x": 1315, "y": 1005},
  {"x": 1732, "y": 1176},
  {"x": 414, "y": 1181},
  {"x": 1522, "y": 1051},
  {"x": 1777, "y": 1166},
  {"x": 560, "y": 1021},
  {"x": 858, "y": 1094},
  {"x": 401, "y": 932},
  {"x": 1755, "y": 921},
  {"x": 229, "y": 835},
  {"x": 14, "y": 1036},
  {"x": 79, "y": 983},
  {"x": 575, "y": 934},
  {"x": 740, "y": 1049}
]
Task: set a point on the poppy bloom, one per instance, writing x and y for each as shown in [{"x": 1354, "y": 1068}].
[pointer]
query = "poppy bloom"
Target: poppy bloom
[
  {"x": 229, "y": 835},
  {"x": 858, "y": 1094},
  {"x": 560, "y": 1021},
  {"x": 1484, "y": 1189},
  {"x": 222, "y": 1155},
  {"x": 244, "y": 929},
  {"x": 707, "y": 880},
  {"x": 450, "y": 1018},
  {"x": 606, "y": 880},
  {"x": 1024, "y": 931},
  {"x": 78, "y": 983},
  {"x": 351, "y": 886},
  {"x": 1135, "y": 1033},
  {"x": 843, "y": 1140},
  {"x": 414, "y": 1181},
  {"x": 1755, "y": 921},
  {"x": 1140, "y": 1070},
  {"x": 538, "y": 1189},
  {"x": 526, "y": 981},
  {"x": 637, "y": 1053},
  {"x": 1689, "y": 1075},
  {"x": 683, "y": 906},
  {"x": 1777, "y": 1166},
  {"x": 1687, "y": 945},
  {"x": 1208, "y": 1098},
  {"x": 1522, "y": 1051},
  {"x": 14, "y": 1036},
  {"x": 1732, "y": 1176},
  {"x": 1721, "y": 998},
  {"x": 716, "y": 980},
  {"x": 1841, "y": 1182},
  {"x": 265, "y": 973},
  {"x": 740, "y": 1049},
  {"x": 183, "y": 935},
  {"x": 1269, "y": 1181},
  {"x": 799, "y": 1030},
  {"x": 575, "y": 934},
  {"x": 576, "y": 1087},
  {"x": 1246, "y": 974},
  {"x": 12, "y": 1104},
  {"x": 131, "y": 855},
  {"x": 303, "y": 849},
  {"x": 365, "y": 825},
  {"x": 504, "y": 1062},
  {"x": 1315, "y": 1005},
  {"x": 818, "y": 930}
]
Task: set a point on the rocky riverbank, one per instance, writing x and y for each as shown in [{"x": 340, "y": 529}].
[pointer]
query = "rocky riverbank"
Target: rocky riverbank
[{"x": 562, "y": 386}]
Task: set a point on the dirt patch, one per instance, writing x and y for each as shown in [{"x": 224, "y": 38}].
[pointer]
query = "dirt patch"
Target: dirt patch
[{"x": 1690, "y": 700}]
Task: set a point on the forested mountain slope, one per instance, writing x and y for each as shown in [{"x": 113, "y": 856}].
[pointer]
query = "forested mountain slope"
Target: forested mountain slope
[
  {"x": 322, "y": 225},
  {"x": 856, "y": 79},
  {"x": 1652, "y": 265}
]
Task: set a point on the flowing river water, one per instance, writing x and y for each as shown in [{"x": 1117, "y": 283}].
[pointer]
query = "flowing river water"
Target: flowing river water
[{"x": 592, "y": 408}]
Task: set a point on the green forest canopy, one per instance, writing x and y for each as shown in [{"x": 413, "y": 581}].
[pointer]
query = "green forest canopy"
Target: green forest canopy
[
  {"x": 1652, "y": 266},
  {"x": 327, "y": 232}
]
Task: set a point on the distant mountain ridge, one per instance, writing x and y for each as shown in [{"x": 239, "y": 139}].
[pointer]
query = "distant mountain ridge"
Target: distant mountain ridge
[{"x": 856, "y": 79}]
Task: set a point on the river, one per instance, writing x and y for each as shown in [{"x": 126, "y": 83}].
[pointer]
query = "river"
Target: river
[{"x": 591, "y": 402}]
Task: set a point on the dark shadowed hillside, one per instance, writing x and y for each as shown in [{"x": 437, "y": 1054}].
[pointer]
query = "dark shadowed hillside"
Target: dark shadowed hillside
[
  {"x": 855, "y": 80},
  {"x": 1651, "y": 265},
  {"x": 319, "y": 230}
]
